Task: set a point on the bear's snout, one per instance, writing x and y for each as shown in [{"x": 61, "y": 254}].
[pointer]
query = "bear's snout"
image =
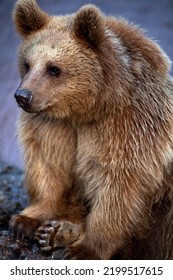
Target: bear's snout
[{"x": 24, "y": 98}]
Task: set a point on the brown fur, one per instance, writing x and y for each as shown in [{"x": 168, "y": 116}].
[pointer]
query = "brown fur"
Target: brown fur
[{"x": 101, "y": 132}]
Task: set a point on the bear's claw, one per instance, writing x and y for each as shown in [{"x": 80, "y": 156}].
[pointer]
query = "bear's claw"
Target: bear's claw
[
  {"x": 56, "y": 234},
  {"x": 21, "y": 227}
]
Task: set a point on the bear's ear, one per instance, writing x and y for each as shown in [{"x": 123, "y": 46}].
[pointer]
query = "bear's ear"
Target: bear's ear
[
  {"x": 28, "y": 17},
  {"x": 88, "y": 25}
]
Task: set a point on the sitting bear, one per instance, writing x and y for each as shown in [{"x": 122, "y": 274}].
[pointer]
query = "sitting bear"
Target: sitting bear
[{"x": 96, "y": 130}]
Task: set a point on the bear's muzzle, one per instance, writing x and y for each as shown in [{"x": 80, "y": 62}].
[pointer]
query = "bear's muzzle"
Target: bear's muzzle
[{"x": 24, "y": 98}]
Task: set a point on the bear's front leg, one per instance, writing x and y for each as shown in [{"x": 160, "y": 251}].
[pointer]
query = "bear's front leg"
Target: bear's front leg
[
  {"x": 99, "y": 241},
  {"x": 49, "y": 151},
  {"x": 120, "y": 209},
  {"x": 46, "y": 202}
]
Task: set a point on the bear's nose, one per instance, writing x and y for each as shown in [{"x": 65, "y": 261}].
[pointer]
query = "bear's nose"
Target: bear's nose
[{"x": 23, "y": 97}]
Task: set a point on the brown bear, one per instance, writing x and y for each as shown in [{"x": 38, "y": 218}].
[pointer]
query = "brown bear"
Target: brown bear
[{"x": 96, "y": 130}]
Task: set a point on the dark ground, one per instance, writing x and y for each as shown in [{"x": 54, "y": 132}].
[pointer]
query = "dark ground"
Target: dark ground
[{"x": 155, "y": 16}]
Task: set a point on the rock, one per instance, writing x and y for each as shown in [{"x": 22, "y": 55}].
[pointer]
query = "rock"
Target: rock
[
  {"x": 22, "y": 250},
  {"x": 13, "y": 196}
]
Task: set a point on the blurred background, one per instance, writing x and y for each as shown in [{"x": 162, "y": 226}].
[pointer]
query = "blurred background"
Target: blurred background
[{"x": 155, "y": 16}]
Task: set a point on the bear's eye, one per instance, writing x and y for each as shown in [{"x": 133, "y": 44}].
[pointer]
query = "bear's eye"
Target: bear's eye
[
  {"x": 54, "y": 70},
  {"x": 26, "y": 67}
]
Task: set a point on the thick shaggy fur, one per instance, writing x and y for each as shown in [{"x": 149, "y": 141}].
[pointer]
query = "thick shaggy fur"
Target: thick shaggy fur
[{"x": 98, "y": 136}]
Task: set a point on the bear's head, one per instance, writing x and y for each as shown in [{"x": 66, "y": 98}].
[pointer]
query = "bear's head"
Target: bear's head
[
  {"x": 82, "y": 65},
  {"x": 62, "y": 61}
]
